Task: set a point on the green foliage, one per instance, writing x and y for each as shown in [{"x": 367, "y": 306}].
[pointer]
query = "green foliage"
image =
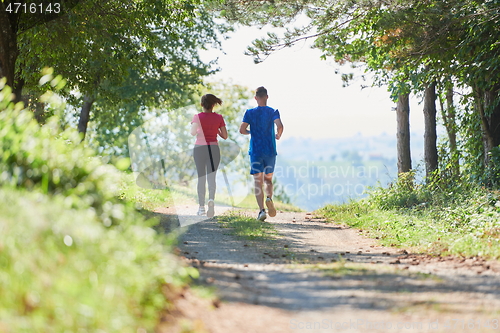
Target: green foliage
[
  {"x": 159, "y": 81},
  {"x": 6, "y": 97},
  {"x": 279, "y": 193},
  {"x": 438, "y": 190},
  {"x": 402, "y": 194},
  {"x": 406, "y": 45},
  {"x": 45, "y": 159},
  {"x": 96, "y": 45},
  {"x": 124, "y": 56},
  {"x": 493, "y": 168},
  {"x": 439, "y": 217},
  {"x": 478, "y": 64},
  {"x": 73, "y": 256},
  {"x": 150, "y": 199},
  {"x": 63, "y": 270},
  {"x": 345, "y": 212}
]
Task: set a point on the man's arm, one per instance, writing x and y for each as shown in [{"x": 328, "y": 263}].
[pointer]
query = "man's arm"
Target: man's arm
[
  {"x": 280, "y": 128},
  {"x": 244, "y": 128}
]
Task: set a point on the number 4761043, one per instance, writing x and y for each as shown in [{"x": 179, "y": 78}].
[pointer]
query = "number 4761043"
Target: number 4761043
[{"x": 33, "y": 8}]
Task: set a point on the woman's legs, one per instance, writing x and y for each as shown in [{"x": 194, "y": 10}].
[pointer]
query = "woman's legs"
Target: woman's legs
[
  {"x": 207, "y": 160},
  {"x": 212, "y": 166},
  {"x": 201, "y": 170}
]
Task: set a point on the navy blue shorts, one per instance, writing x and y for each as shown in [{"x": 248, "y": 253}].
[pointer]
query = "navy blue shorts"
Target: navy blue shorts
[{"x": 260, "y": 164}]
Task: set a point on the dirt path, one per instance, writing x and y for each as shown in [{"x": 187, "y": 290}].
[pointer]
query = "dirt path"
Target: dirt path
[{"x": 279, "y": 286}]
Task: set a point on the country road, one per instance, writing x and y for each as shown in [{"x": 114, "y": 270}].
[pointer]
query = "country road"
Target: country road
[{"x": 326, "y": 277}]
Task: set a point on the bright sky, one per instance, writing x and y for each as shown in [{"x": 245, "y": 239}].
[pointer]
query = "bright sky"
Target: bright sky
[{"x": 308, "y": 93}]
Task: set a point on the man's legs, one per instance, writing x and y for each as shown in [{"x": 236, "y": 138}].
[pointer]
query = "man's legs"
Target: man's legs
[
  {"x": 262, "y": 170},
  {"x": 268, "y": 180},
  {"x": 258, "y": 189}
]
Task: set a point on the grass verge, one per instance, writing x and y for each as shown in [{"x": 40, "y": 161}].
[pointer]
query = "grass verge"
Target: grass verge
[
  {"x": 148, "y": 199},
  {"x": 468, "y": 229},
  {"x": 246, "y": 227}
]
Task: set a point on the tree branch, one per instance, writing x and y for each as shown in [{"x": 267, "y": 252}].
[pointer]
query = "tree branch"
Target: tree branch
[{"x": 279, "y": 46}]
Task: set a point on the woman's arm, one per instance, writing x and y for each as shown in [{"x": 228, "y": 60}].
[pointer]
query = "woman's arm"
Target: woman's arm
[
  {"x": 223, "y": 132},
  {"x": 194, "y": 129}
]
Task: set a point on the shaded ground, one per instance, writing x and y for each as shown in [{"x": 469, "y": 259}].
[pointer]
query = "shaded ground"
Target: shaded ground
[{"x": 322, "y": 277}]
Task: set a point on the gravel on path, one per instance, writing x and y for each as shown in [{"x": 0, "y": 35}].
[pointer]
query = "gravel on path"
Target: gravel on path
[{"x": 325, "y": 277}]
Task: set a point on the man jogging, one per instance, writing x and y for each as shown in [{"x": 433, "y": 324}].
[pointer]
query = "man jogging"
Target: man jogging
[{"x": 262, "y": 148}]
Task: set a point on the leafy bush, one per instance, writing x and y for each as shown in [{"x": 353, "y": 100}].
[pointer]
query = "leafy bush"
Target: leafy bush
[
  {"x": 492, "y": 170},
  {"x": 440, "y": 216},
  {"x": 62, "y": 271},
  {"x": 49, "y": 160},
  {"x": 74, "y": 257},
  {"x": 402, "y": 194},
  {"x": 437, "y": 190}
]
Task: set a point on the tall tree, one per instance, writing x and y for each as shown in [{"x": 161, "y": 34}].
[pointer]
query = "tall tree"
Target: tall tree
[
  {"x": 113, "y": 51},
  {"x": 402, "y": 41},
  {"x": 17, "y": 17},
  {"x": 403, "y": 133},
  {"x": 430, "y": 135},
  {"x": 449, "y": 116},
  {"x": 347, "y": 31},
  {"x": 479, "y": 56}
]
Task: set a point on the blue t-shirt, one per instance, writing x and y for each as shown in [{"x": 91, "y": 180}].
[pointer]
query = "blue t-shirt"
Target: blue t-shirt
[{"x": 262, "y": 136}]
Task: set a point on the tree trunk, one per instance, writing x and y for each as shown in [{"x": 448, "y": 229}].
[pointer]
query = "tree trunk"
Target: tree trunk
[
  {"x": 11, "y": 25},
  {"x": 403, "y": 133},
  {"x": 18, "y": 89},
  {"x": 88, "y": 101},
  {"x": 8, "y": 51},
  {"x": 489, "y": 112},
  {"x": 430, "y": 136},
  {"x": 450, "y": 123},
  {"x": 40, "y": 112}
]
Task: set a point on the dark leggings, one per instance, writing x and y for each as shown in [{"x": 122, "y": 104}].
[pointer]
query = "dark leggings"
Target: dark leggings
[{"x": 207, "y": 159}]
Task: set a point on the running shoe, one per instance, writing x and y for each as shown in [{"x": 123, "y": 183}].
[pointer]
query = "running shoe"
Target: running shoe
[
  {"x": 201, "y": 211},
  {"x": 262, "y": 215},
  {"x": 270, "y": 207},
  {"x": 211, "y": 211}
]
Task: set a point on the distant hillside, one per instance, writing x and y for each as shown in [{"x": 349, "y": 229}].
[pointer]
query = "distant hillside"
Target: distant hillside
[
  {"x": 314, "y": 172},
  {"x": 323, "y": 149}
]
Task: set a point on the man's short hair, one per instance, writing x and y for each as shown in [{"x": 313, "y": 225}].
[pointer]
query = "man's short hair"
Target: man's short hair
[{"x": 261, "y": 92}]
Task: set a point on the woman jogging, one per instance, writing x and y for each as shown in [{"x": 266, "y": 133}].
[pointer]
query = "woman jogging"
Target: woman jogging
[{"x": 206, "y": 126}]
